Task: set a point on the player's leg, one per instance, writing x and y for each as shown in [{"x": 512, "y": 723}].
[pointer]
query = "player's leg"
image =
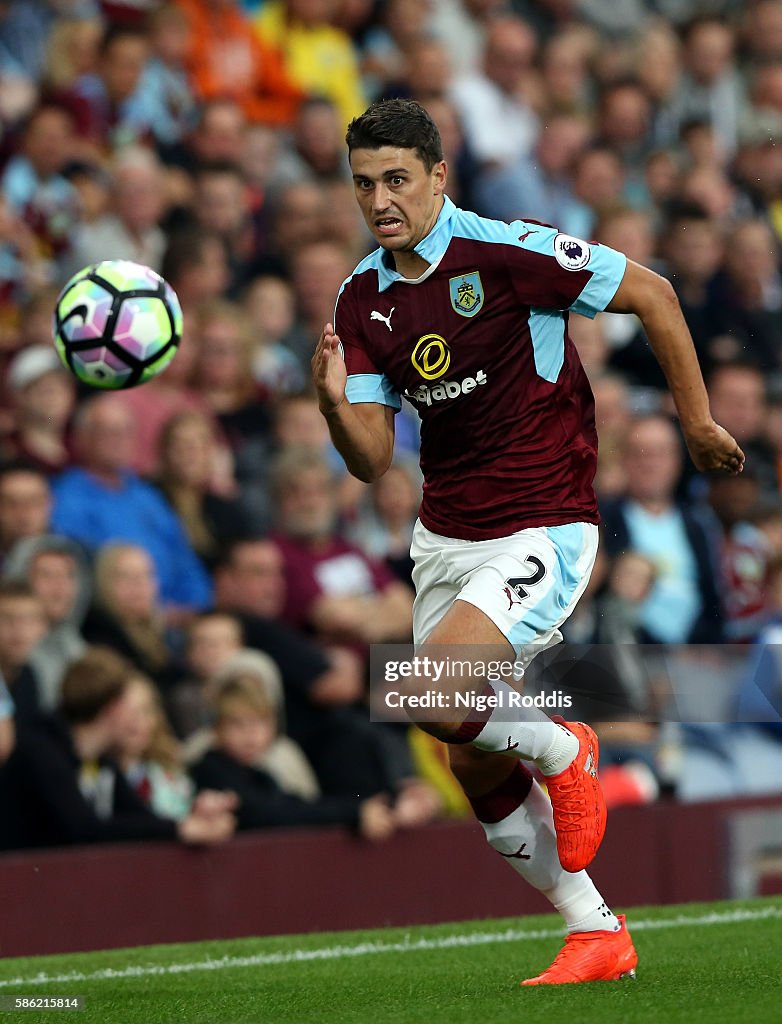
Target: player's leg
[
  {"x": 518, "y": 822},
  {"x": 567, "y": 753},
  {"x": 515, "y": 814}
]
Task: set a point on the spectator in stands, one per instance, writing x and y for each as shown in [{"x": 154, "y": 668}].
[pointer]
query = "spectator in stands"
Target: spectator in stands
[
  {"x": 316, "y": 150},
  {"x": 219, "y": 134},
  {"x": 25, "y": 504},
  {"x": 624, "y": 123},
  {"x": 318, "y": 56},
  {"x": 149, "y": 756},
  {"x": 282, "y": 758},
  {"x": 684, "y": 605},
  {"x": 318, "y": 269},
  {"x": 564, "y": 65},
  {"x": 130, "y": 230},
  {"x": 762, "y": 25},
  {"x": 195, "y": 264},
  {"x": 464, "y": 28},
  {"x": 385, "y": 46},
  {"x": 164, "y": 99},
  {"x": 228, "y": 59},
  {"x": 298, "y": 219},
  {"x": 43, "y": 394},
  {"x": 499, "y": 124},
  {"x": 324, "y": 689},
  {"x": 35, "y": 189},
  {"x": 165, "y": 396},
  {"x": 334, "y": 589},
  {"x": 612, "y": 418},
  {"x": 749, "y": 296},
  {"x": 540, "y": 185},
  {"x": 61, "y": 785},
  {"x": 212, "y": 640},
  {"x": 56, "y": 570},
  {"x": 269, "y": 304},
  {"x": 745, "y": 554},
  {"x": 737, "y": 393},
  {"x": 693, "y": 248},
  {"x": 630, "y": 231},
  {"x": 102, "y": 103},
  {"x": 72, "y": 51},
  {"x": 22, "y": 626},
  {"x": 189, "y": 466},
  {"x": 222, "y": 206},
  {"x": 88, "y": 498},
  {"x": 126, "y": 614},
  {"x": 598, "y": 185},
  {"x": 710, "y": 88},
  {"x": 246, "y": 725},
  {"x": 384, "y": 527},
  {"x": 429, "y": 73},
  {"x": 223, "y": 376}
]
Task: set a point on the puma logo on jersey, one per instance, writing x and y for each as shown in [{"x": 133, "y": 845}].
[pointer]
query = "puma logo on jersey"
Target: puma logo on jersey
[
  {"x": 374, "y": 315},
  {"x": 525, "y": 236}
]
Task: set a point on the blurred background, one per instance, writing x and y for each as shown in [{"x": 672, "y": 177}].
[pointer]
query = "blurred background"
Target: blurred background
[{"x": 191, "y": 582}]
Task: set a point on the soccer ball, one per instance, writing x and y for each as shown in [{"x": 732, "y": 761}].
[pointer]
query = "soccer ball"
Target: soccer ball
[{"x": 117, "y": 324}]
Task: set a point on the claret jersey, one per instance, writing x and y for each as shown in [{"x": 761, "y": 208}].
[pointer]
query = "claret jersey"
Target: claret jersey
[{"x": 479, "y": 346}]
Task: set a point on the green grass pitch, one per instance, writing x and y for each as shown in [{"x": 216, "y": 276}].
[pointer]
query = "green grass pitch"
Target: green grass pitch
[{"x": 717, "y": 962}]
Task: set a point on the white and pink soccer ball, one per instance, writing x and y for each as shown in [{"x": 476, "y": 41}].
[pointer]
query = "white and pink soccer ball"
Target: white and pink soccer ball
[{"x": 117, "y": 324}]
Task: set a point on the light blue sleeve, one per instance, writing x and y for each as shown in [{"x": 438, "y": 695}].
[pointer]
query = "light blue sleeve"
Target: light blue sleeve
[
  {"x": 372, "y": 387},
  {"x": 607, "y": 267}
]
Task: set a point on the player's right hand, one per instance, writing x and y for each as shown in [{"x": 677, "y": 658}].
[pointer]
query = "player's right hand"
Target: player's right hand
[
  {"x": 713, "y": 449},
  {"x": 329, "y": 373}
]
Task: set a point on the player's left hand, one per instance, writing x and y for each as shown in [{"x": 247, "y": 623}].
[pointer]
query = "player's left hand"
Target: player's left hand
[{"x": 713, "y": 449}]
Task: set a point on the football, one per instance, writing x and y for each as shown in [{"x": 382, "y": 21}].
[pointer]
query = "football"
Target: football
[{"x": 117, "y": 324}]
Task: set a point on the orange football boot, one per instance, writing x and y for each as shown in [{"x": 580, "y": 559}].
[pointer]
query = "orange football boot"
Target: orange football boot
[
  {"x": 591, "y": 956},
  {"x": 577, "y": 801}
]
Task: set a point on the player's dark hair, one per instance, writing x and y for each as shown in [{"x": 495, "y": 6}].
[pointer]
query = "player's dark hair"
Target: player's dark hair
[{"x": 403, "y": 124}]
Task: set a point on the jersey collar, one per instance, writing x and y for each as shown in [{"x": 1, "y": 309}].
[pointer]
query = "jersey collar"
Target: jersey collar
[{"x": 432, "y": 248}]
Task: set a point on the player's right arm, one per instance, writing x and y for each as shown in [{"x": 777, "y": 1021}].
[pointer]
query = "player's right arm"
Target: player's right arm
[{"x": 363, "y": 433}]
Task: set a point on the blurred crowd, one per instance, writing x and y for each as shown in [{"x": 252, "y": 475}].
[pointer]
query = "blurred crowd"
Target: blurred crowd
[{"x": 190, "y": 581}]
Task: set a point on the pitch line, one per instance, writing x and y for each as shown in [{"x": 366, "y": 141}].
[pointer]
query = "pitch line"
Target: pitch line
[{"x": 295, "y": 956}]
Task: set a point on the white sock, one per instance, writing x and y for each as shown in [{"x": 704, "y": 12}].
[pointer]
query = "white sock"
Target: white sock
[
  {"x": 535, "y": 738},
  {"x": 526, "y": 838}
]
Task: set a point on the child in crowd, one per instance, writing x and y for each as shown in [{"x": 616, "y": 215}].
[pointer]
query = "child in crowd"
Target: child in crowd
[{"x": 245, "y": 728}]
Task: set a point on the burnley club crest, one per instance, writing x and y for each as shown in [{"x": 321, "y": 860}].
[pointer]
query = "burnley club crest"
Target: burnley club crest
[{"x": 467, "y": 293}]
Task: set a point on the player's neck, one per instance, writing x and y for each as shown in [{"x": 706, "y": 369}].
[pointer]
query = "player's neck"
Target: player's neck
[{"x": 410, "y": 264}]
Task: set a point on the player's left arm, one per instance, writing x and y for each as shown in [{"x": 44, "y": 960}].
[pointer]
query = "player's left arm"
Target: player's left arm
[{"x": 654, "y": 302}]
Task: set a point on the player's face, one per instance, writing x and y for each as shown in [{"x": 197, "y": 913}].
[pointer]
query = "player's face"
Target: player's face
[{"x": 399, "y": 198}]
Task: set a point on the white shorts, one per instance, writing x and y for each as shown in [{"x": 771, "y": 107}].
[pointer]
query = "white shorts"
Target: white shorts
[{"x": 527, "y": 583}]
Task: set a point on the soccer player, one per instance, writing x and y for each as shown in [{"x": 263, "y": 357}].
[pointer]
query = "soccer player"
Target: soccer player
[{"x": 467, "y": 319}]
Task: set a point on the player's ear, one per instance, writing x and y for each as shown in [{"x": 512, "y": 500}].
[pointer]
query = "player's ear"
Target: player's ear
[{"x": 439, "y": 177}]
